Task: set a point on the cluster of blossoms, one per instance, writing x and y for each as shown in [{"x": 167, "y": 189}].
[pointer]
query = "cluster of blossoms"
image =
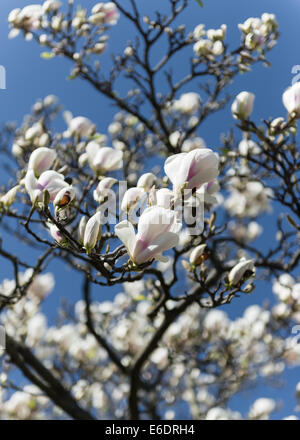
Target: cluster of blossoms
[
  {"x": 258, "y": 32},
  {"x": 159, "y": 224},
  {"x": 50, "y": 21},
  {"x": 192, "y": 175},
  {"x": 247, "y": 198},
  {"x": 248, "y": 338},
  {"x": 209, "y": 42},
  {"x": 162, "y": 338}
]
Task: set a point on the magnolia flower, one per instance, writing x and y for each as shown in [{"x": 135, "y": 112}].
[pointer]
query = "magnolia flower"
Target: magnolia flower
[
  {"x": 196, "y": 256},
  {"x": 291, "y": 99},
  {"x": 56, "y": 234},
  {"x": 187, "y": 103},
  {"x": 104, "y": 13},
  {"x": 51, "y": 181},
  {"x": 92, "y": 232},
  {"x": 103, "y": 188},
  {"x": 203, "y": 47},
  {"x": 239, "y": 270},
  {"x": 81, "y": 229},
  {"x": 41, "y": 160},
  {"x": 8, "y": 198},
  {"x": 208, "y": 192},
  {"x": 51, "y": 5},
  {"x": 248, "y": 146},
  {"x": 163, "y": 197},
  {"x": 103, "y": 159},
  {"x": 146, "y": 181},
  {"x": 157, "y": 232},
  {"x": 262, "y": 408},
  {"x": 218, "y": 48},
  {"x": 64, "y": 197},
  {"x": 131, "y": 198},
  {"x": 217, "y": 34},
  {"x": 199, "y": 31},
  {"x": 192, "y": 144},
  {"x": 79, "y": 126},
  {"x": 27, "y": 18},
  {"x": 35, "y": 131},
  {"x": 242, "y": 106},
  {"x": 174, "y": 138},
  {"x": 191, "y": 170}
]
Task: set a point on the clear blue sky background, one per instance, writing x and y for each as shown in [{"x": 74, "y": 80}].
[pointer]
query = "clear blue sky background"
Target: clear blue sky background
[{"x": 29, "y": 77}]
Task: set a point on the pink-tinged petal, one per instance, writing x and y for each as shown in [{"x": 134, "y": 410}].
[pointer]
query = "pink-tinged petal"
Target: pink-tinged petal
[
  {"x": 174, "y": 169},
  {"x": 41, "y": 160},
  {"x": 125, "y": 232},
  {"x": 204, "y": 167},
  {"x": 52, "y": 181},
  {"x": 108, "y": 159},
  {"x": 92, "y": 149},
  {"x": 30, "y": 182},
  {"x": 153, "y": 222},
  {"x": 162, "y": 243}
]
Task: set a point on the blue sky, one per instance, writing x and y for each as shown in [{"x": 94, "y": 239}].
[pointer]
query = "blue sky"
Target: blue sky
[{"x": 29, "y": 77}]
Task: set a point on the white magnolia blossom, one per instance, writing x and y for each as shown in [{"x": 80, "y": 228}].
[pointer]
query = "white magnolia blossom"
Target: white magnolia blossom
[
  {"x": 187, "y": 103},
  {"x": 192, "y": 143},
  {"x": 174, "y": 138},
  {"x": 81, "y": 229},
  {"x": 41, "y": 160},
  {"x": 92, "y": 232},
  {"x": 51, "y": 5},
  {"x": 191, "y": 170},
  {"x": 239, "y": 270},
  {"x": 103, "y": 159},
  {"x": 131, "y": 199},
  {"x": 146, "y": 181},
  {"x": 257, "y": 31},
  {"x": 28, "y": 18},
  {"x": 196, "y": 254},
  {"x": 79, "y": 126},
  {"x": 217, "y": 34},
  {"x": 245, "y": 233},
  {"x": 104, "y": 13},
  {"x": 56, "y": 234},
  {"x": 51, "y": 181},
  {"x": 242, "y": 106},
  {"x": 8, "y": 198},
  {"x": 222, "y": 414},
  {"x": 262, "y": 408},
  {"x": 103, "y": 189},
  {"x": 247, "y": 199},
  {"x": 35, "y": 131},
  {"x": 163, "y": 197},
  {"x": 234, "y": 351},
  {"x": 203, "y": 47},
  {"x": 64, "y": 196},
  {"x": 216, "y": 321},
  {"x": 199, "y": 31},
  {"x": 286, "y": 288},
  {"x": 248, "y": 146},
  {"x": 157, "y": 232},
  {"x": 291, "y": 99}
]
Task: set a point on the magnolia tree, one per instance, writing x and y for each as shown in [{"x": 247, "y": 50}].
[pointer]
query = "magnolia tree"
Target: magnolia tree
[{"x": 149, "y": 208}]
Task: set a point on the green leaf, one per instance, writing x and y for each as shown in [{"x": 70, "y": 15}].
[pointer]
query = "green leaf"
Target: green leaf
[
  {"x": 139, "y": 298},
  {"x": 47, "y": 55},
  {"x": 200, "y": 3}
]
